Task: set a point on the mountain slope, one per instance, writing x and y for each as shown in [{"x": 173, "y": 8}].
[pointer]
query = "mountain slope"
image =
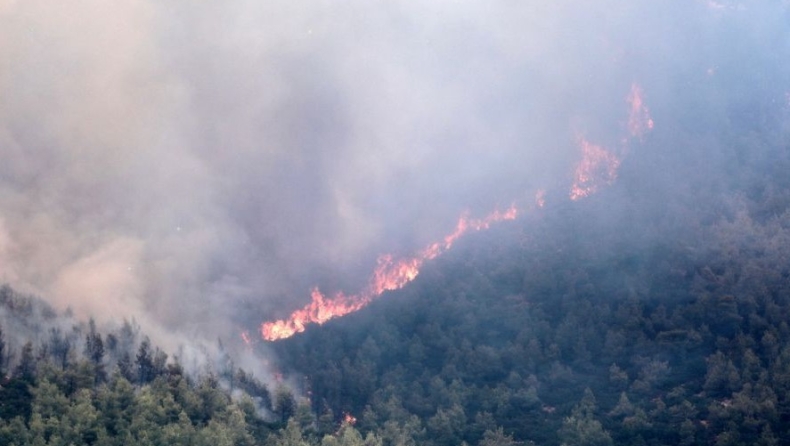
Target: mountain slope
[{"x": 654, "y": 312}]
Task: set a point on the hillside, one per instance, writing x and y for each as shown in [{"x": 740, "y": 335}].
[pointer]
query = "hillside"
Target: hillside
[
  {"x": 67, "y": 382},
  {"x": 400, "y": 223},
  {"x": 639, "y": 316}
]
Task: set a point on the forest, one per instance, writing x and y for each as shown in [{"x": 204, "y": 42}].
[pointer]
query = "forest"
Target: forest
[
  {"x": 620, "y": 319},
  {"x": 653, "y": 312}
]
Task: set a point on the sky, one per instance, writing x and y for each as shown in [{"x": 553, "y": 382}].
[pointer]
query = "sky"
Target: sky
[{"x": 199, "y": 165}]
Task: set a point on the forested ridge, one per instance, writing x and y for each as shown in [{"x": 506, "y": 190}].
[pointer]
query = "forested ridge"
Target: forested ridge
[
  {"x": 621, "y": 319},
  {"x": 681, "y": 347},
  {"x": 66, "y": 382},
  {"x": 656, "y": 312},
  {"x": 400, "y": 223},
  {"x": 634, "y": 317}
]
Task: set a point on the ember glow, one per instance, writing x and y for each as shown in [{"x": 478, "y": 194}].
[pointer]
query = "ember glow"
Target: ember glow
[
  {"x": 639, "y": 120},
  {"x": 246, "y": 338},
  {"x": 597, "y": 168},
  {"x": 390, "y": 274},
  {"x": 540, "y": 198},
  {"x": 349, "y": 419}
]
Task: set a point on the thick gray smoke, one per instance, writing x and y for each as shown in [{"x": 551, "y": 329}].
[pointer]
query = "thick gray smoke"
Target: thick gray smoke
[{"x": 183, "y": 162}]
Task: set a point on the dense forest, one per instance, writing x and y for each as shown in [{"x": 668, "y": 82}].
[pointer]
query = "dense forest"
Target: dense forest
[
  {"x": 653, "y": 327},
  {"x": 654, "y": 313},
  {"x": 634, "y": 317},
  {"x": 71, "y": 384},
  {"x": 176, "y": 176}
]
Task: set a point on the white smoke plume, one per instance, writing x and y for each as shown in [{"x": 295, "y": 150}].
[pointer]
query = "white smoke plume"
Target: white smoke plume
[{"x": 184, "y": 162}]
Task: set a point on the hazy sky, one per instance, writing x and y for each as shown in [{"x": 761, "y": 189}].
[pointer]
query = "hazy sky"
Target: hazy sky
[{"x": 184, "y": 162}]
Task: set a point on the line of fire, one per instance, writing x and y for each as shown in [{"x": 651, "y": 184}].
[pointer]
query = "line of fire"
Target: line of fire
[{"x": 597, "y": 169}]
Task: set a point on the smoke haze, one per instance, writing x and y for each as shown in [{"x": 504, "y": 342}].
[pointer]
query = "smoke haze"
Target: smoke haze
[{"x": 192, "y": 163}]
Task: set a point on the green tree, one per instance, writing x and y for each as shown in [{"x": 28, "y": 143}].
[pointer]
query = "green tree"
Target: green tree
[
  {"x": 80, "y": 423},
  {"x": 2, "y": 355},
  {"x": 26, "y": 369},
  {"x": 228, "y": 429},
  {"x": 290, "y": 436},
  {"x": 14, "y": 431},
  {"x": 447, "y": 426},
  {"x": 117, "y": 404},
  {"x": 497, "y": 438},
  {"x": 304, "y": 416},
  {"x": 722, "y": 377},
  {"x": 212, "y": 400},
  {"x": 623, "y": 408},
  {"x": 15, "y": 399},
  {"x": 180, "y": 433},
  {"x": 767, "y": 437},
  {"x": 284, "y": 404},
  {"x": 126, "y": 367},
  {"x": 94, "y": 351},
  {"x": 59, "y": 347},
  {"x": 687, "y": 432},
  {"x": 405, "y": 433},
  {"x": 581, "y": 428},
  {"x": 145, "y": 363}
]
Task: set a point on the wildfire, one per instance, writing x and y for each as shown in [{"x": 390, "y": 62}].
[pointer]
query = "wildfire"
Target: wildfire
[
  {"x": 598, "y": 166},
  {"x": 639, "y": 120},
  {"x": 540, "y": 198},
  {"x": 390, "y": 274},
  {"x": 349, "y": 419},
  {"x": 246, "y": 338},
  {"x": 318, "y": 311}
]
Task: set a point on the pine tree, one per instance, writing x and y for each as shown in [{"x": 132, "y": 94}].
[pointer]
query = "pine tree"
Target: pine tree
[
  {"x": 94, "y": 350},
  {"x": 284, "y": 404},
  {"x": 59, "y": 347},
  {"x": 2, "y": 355},
  {"x": 581, "y": 428},
  {"x": 26, "y": 369},
  {"x": 145, "y": 363}
]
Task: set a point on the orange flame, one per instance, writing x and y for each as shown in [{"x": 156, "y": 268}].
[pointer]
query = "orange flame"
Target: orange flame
[
  {"x": 246, "y": 338},
  {"x": 598, "y": 166},
  {"x": 389, "y": 274},
  {"x": 349, "y": 419},
  {"x": 540, "y": 198},
  {"x": 639, "y": 120}
]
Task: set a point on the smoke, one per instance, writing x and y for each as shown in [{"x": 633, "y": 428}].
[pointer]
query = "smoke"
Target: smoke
[{"x": 195, "y": 164}]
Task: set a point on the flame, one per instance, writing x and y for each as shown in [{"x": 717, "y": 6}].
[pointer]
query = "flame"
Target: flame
[
  {"x": 246, "y": 338},
  {"x": 639, "y": 120},
  {"x": 389, "y": 274},
  {"x": 540, "y": 198},
  {"x": 598, "y": 166},
  {"x": 349, "y": 419},
  {"x": 319, "y": 310}
]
